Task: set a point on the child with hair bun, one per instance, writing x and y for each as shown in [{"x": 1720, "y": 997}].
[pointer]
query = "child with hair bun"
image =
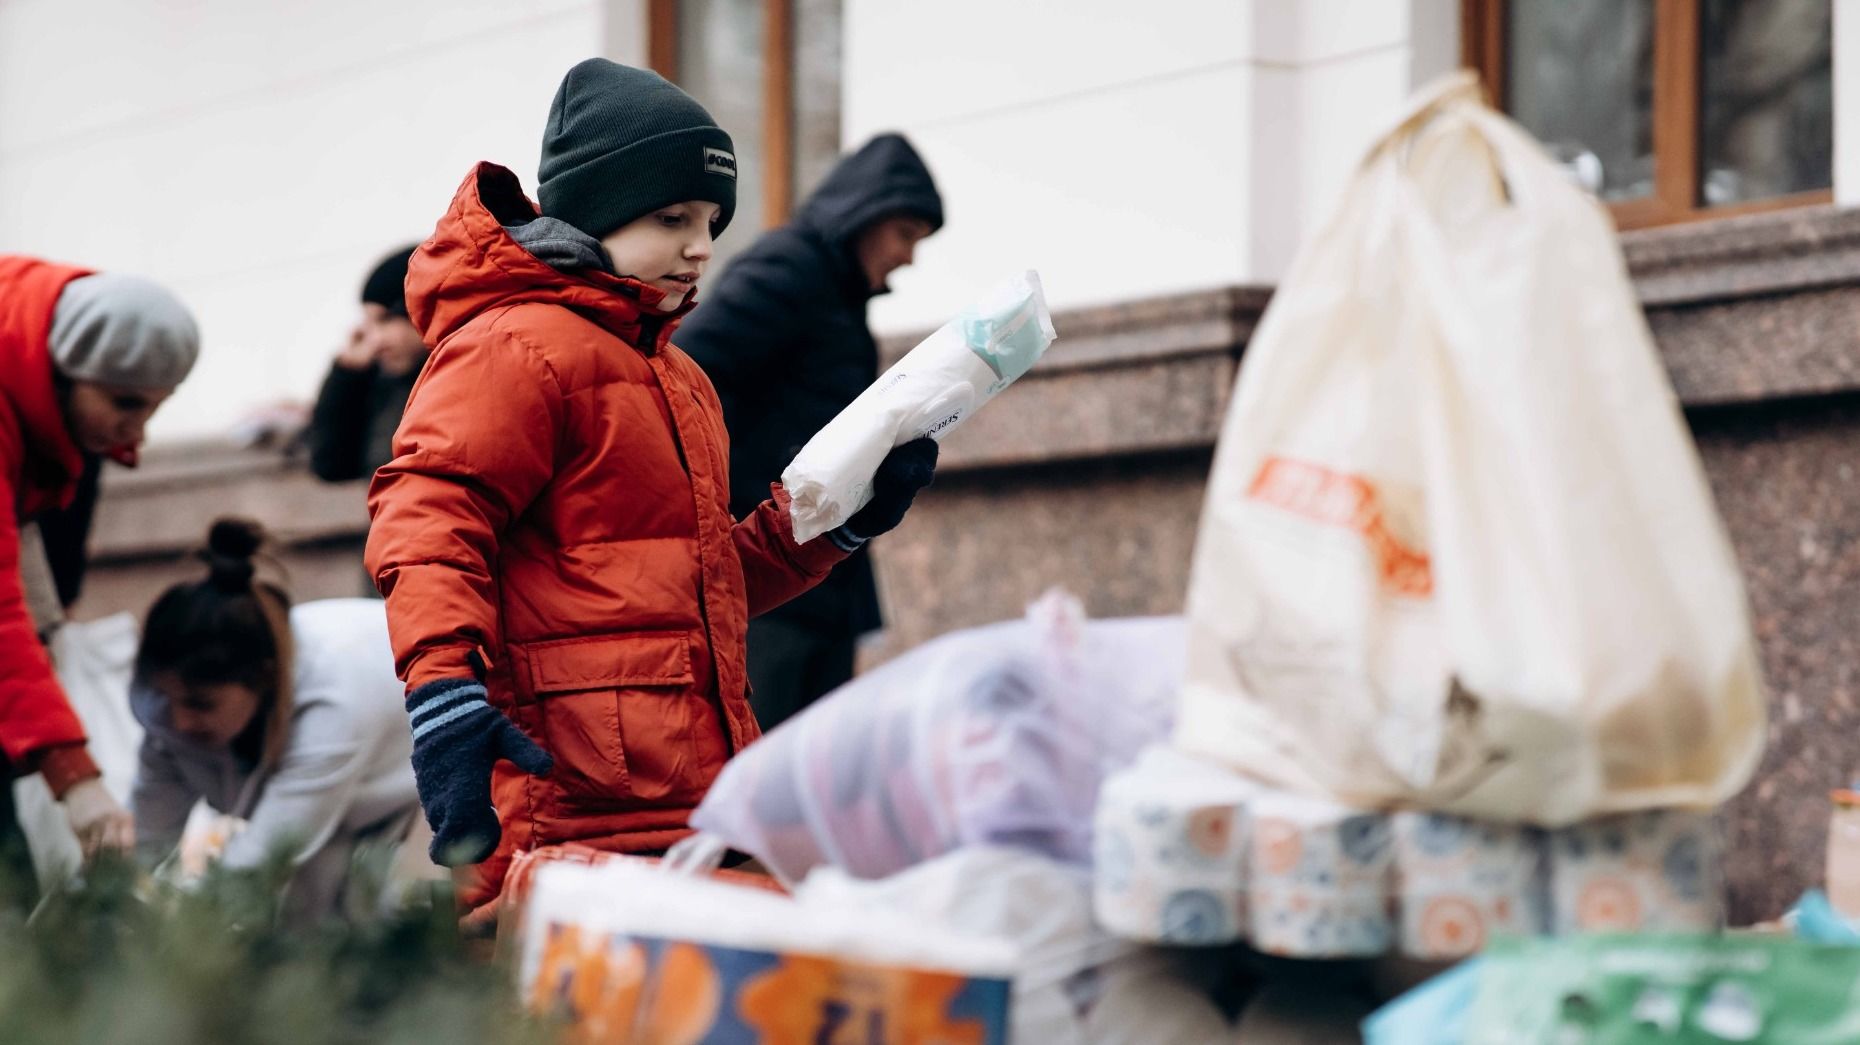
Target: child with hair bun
[{"x": 288, "y": 718}]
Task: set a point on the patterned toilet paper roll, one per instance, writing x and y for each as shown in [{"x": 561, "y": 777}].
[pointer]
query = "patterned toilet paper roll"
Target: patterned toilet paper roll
[
  {"x": 1458, "y": 882},
  {"x": 1318, "y": 878},
  {"x": 1657, "y": 871},
  {"x": 1169, "y": 851}
]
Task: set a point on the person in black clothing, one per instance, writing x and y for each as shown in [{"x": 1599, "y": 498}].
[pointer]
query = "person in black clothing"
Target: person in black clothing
[
  {"x": 352, "y": 428},
  {"x": 783, "y": 336}
]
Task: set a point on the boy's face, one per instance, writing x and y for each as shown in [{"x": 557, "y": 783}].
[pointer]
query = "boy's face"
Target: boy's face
[
  {"x": 666, "y": 249},
  {"x": 105, "y": 418}
]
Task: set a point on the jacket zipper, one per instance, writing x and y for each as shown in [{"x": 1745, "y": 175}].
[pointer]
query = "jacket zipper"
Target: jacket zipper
[{"x": 697, "y": 507}]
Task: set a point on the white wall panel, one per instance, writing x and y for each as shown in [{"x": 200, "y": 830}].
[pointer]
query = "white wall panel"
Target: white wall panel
[{"x": 260, "y": 157}]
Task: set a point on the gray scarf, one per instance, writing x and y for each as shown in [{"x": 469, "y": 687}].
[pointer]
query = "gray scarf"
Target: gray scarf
[{"x": 561, "y": 246}]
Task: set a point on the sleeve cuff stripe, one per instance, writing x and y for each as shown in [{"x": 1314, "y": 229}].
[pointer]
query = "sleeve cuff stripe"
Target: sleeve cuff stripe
[
  {"x": 431, "y": 723},
  {"x": 844, "y": 540},
  {"x": 443, "y": 691},
  {"x": 435, "y": 705}
]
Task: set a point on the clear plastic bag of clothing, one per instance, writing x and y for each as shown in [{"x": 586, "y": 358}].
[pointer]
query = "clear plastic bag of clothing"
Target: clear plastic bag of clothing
[{"x": 1000, "y": 734}]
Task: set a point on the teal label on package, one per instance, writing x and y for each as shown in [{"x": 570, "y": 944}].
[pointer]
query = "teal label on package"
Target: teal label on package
[{"x": 1010, "y": 346}]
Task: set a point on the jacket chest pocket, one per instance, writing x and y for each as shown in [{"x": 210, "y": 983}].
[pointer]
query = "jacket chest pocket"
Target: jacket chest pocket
[{"x": 620, "y": 716}]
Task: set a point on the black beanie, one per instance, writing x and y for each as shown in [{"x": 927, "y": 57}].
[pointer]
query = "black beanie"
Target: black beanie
[
  {"x": 623, "y": 142},
  {"x": 387, "y": 284}
]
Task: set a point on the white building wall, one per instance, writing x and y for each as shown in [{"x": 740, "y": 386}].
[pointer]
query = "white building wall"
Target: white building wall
[
  {"x": 1128, "y": 150},
  {"x": 1125, "y": 150},
  {"x": 259, "y": 157},
  {"x": 1847, "y": 102}
]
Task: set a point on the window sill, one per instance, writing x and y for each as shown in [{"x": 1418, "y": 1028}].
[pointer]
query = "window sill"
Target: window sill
[{"x": 1778, "y": 251}]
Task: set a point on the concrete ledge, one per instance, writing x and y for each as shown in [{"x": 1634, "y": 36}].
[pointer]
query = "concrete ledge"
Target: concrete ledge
[
  {"x": 1754, "y": 308},
  {"x": 1782, "y": 345},
  {"x": 1778, "y": 252},
  {"x": 164, "y": 507}
]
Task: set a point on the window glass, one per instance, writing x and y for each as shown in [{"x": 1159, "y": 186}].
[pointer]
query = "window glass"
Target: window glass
[
  {"x": 1580, "y": 78},
  {"x": 720, "y": 64},
  {"x": 1766, "y": 118},
  {"x": 816, "y": 92}
]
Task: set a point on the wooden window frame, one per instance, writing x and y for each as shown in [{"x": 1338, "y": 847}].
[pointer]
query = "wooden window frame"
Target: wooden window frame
[
  {"x": 777, "y": 93},
  {"x": 1676, "y": 107}
]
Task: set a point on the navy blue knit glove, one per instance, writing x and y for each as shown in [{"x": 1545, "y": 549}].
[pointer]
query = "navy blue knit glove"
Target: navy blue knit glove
[
  {"x": 457, "y": 738},
  {"x": 904, "y": 471}
]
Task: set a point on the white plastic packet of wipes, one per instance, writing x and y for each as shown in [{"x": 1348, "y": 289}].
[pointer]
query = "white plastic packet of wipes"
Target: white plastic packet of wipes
[{"x": 947, "y": 377}]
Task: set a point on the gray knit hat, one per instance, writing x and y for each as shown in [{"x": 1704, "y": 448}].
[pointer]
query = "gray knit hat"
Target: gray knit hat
[
  {"x": 122, "y": 331},
  {"x": 623, "y": 142}
]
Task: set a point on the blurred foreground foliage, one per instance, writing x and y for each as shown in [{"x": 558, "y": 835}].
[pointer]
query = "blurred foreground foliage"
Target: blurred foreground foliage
[{"x": 118, "y": 959}]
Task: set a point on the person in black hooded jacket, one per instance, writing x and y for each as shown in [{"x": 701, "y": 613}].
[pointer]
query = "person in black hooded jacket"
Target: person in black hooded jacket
[
  {"x": 351, "y": 431},
  {"x": 783, "y": 336}
]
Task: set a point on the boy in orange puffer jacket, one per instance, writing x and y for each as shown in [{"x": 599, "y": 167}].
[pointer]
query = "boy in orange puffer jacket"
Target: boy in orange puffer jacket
[{"x": 566, "y": 590}]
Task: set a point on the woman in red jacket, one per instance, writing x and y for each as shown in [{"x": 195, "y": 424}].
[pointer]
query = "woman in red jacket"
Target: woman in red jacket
[
  {"x": 554, "y": 536},
  {"x": 85, "y": 359}
]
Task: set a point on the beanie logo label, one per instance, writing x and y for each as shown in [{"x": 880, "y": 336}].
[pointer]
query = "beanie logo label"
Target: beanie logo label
[{"x": 717, "y": 161}]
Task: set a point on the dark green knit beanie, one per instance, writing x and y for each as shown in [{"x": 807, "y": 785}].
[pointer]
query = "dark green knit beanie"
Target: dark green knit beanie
[{"x": 623, "y": 142}]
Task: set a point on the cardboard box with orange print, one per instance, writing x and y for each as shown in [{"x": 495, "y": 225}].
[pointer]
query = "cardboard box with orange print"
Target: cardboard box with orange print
[{"x": 643, "y": 954}]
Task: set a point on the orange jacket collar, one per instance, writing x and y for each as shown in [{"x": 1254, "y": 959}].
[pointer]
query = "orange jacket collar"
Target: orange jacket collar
[{"x": 470, "y": 264}]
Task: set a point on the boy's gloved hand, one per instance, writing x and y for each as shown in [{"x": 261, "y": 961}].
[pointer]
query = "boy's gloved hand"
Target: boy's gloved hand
[
  {"x": 904, "y": 471},
  {"x": 457, "y": 738}
]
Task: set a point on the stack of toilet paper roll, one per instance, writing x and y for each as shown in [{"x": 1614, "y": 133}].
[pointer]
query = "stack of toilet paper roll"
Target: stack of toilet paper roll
[
  {"x": 1169, "y": 848},
  {"x": 1319, "y": 884},
  {"x": 1188, "y": 853},
  {"x": 1638, "y": 872},
  {"x": 1460, "y": 882}
]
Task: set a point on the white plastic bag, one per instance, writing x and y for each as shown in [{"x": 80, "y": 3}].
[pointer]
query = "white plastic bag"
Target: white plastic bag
[
  {"x": 94, "y": 660},
  {"x": 1073, "y": 983},
  {"x": 1458, "y": 551},
  {"x": 998, "y": 735},
  {"x": 947, "y": 377}
]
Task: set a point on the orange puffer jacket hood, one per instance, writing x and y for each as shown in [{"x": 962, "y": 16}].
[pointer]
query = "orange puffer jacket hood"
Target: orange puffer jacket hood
[{"x": 556, "y": 519}]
